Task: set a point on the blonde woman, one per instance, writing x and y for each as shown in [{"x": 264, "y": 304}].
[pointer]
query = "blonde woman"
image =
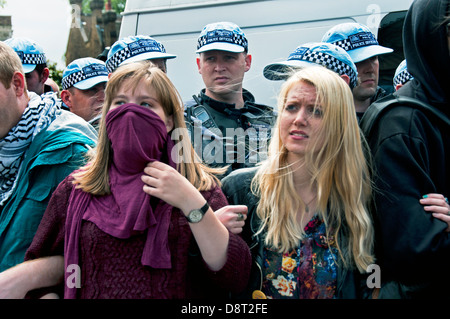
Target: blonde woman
[
  {"x": 126, "y": 243},
  {"x": 308, "y": 223}
]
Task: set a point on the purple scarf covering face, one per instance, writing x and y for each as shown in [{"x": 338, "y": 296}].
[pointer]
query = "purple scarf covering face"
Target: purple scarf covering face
[{"x": 138, "y": 136}]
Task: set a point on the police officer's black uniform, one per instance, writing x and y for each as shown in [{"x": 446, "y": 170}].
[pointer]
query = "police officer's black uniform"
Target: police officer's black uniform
[{"x": 245, "y": 142}]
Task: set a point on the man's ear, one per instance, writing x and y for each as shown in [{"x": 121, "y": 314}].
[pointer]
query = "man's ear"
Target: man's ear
[
  {"x": 248, "y": 62},
  {"x": 346, "y": 78},
  {"x": 66, "y": 97},
  {"x": 198, "y": 65},
  {"x": 45, "y": 74},
  {"x": 19, "y": 83}
]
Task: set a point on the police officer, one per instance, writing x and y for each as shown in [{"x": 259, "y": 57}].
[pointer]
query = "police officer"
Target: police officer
[
  {"x": 364, "y": 49},
  {"x": 83, "y": 83},
  {"x": 401, "y": 75},
  {"x": 34, "y": 63},
  {"x": 226, "y": 126}
]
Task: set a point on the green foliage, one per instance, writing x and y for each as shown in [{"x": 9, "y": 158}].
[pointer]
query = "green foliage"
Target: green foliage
[
  {"x": 85, "y": 7},
  {"x": 55, "y": 74},
  {"x": 117, "y": 5}
]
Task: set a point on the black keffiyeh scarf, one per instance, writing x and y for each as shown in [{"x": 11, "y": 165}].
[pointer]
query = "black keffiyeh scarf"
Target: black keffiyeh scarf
[{"x": 38, "y": 115}]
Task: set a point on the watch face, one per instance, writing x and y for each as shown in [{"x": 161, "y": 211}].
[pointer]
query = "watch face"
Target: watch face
[{"x": 195, "y": 216}]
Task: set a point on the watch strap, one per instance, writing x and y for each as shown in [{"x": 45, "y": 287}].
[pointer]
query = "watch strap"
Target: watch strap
[{"x": 205, "y": 208}]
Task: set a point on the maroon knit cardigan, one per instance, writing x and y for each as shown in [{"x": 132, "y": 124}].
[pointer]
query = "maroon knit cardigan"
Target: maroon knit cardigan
[{"x": 111, "y": 267}]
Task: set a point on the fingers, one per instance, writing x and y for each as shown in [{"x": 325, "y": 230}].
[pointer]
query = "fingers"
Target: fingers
[
  {"x": 437, "y": 209},
  {"x": 434, "y": 199},
  {"x": 439, "y": 206},
  {"x": 158, "y": 165},
  {"x": 151, "y": 185},
  {"x": 238, "y": 209},
  {"x": 434, "y": 195},
  {"x": 149, "y": 180},
  {"x": 436, "y": 203},
  {"x": 235, "y": 226},
  {"x": 239, "y": 217},
  {"x": 157, "y": 169},
  {"x": 233, "y": 217},
  {"x": 240, "y": 213},
  {"x": 159, "y": 180},
  {"x": 155, "y": 174}
]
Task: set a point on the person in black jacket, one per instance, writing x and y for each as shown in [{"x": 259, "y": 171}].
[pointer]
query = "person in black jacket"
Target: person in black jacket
[
  {"x": 410, "y": 150},
  {"x": 308, "y": 223}
]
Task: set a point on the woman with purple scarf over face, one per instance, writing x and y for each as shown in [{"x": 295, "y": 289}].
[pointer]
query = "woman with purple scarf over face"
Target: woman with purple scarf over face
[{"x": 121, "y": 242}]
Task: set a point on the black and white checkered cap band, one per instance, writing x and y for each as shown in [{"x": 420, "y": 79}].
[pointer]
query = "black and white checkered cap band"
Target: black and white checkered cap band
[
  {"x": 330, "y": 62},
  {"x": 114, "y": 61},
  {"x": 76, "y": 77},
  {"x": 356, "y": 41},
  {"x": 402, "y": 77},
  {"x": 222, "y": 36},
  {"x": 133, "y": 49},
  {"x": 27, "y": 58}
]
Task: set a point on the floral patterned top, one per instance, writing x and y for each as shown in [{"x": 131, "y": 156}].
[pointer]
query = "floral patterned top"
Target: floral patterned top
[{"x": 307, "y": 272}]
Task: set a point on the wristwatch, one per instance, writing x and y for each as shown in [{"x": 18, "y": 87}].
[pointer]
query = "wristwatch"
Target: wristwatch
[{"x": 196, "y": 215}]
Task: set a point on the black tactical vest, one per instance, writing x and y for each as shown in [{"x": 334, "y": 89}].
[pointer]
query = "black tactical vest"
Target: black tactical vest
[{"x": 225, "y": 136}]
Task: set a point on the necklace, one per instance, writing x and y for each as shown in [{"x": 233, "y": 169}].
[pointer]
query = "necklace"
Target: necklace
[{"x": 307, "y": 204}]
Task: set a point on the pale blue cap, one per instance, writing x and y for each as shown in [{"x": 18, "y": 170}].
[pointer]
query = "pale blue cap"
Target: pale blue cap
[
  {"x": 356, "y": 39},
  {"x": 222, "y": 36},
  {"x": 84, "y": 73},
  {"x": 135, "y": 48},
  {"x": 328, "y": 55},
  {"x": 29, "y": 52},
  {"x": 401, "y": 75}
]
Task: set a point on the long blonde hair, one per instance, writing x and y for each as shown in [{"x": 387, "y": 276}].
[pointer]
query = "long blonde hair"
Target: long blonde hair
[
  {"x": 338, "y": 168},
  {"x": 94, "y": 178}
]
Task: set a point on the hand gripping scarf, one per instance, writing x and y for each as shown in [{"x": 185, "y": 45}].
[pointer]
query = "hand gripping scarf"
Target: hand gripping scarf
[{"x": 138, "y": 136}]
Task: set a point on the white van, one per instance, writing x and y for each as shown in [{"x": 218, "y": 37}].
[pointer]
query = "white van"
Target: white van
[{"x": 274, "y": 28}]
